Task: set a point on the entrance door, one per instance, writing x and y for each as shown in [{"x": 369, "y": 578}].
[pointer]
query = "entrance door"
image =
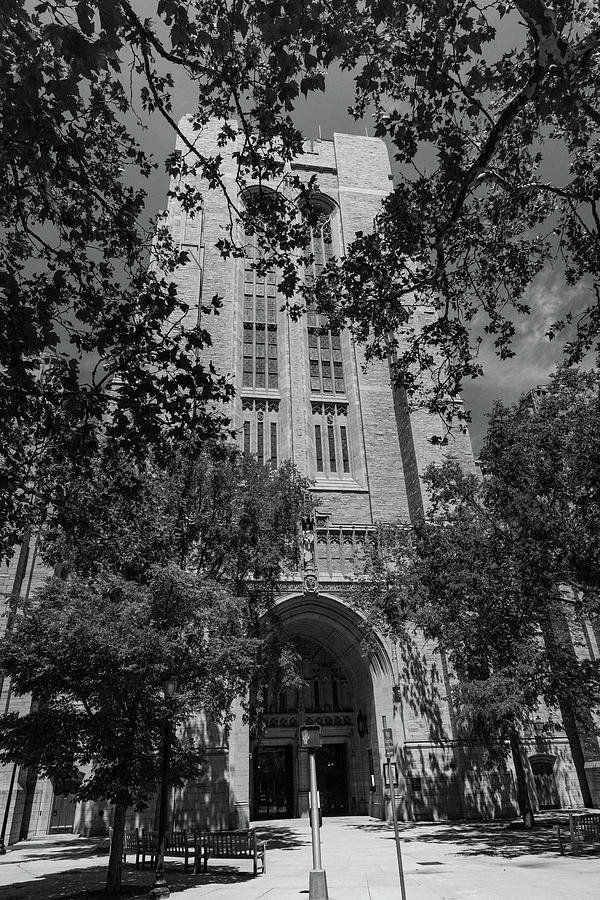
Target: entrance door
[
  {"x": 542, "y": 766},
  {"x": 63, "y": 814},
  {"x": 332, "y": 779},
  {"x": 274, "y": 783}
]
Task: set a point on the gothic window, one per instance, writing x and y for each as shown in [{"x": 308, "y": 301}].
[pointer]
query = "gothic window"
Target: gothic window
[
  {"x": 332, "y": 451},
  {"x": 259, "y": 434},
  {"x": 260, "y": 345},
  {"x": 324, "y": 345},
  {"x": 260, "y": 355},
  {"x": 320, "y": 248},
  {"x": 325, "y": 357}
]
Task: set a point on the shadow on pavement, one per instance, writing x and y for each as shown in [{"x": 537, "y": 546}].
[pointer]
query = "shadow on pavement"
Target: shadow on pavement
[
  {"x": 38, "y": 851},
  {"x": 88, "y": 883},
  {"x": 280, "y": 837},
  {"x": 503, "y": 839}
]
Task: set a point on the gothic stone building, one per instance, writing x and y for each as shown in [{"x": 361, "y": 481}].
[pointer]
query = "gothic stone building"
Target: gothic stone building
[{"x": 303, "y": 393}]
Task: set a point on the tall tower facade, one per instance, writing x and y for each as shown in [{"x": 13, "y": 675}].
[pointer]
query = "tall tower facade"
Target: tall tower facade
[{"x": 303, "y": 392}]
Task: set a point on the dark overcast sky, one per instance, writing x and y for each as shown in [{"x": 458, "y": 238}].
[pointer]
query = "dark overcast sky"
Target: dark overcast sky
[{"x": 549, "y": 297}]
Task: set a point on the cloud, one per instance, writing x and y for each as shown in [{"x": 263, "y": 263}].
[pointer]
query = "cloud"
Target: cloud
[{"x": 550, "y": 298}]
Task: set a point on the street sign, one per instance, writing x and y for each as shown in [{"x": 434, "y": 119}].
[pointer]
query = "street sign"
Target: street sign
[
  {"x": 388, "y": 742},
  {"x": 310, "y": 737}
]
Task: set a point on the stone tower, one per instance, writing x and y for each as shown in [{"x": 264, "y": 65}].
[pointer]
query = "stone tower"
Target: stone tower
[{"x": 302, "y": 392}]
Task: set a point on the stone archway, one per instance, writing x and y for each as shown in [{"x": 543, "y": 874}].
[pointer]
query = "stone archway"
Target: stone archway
[{"x": 344, "y": 688}]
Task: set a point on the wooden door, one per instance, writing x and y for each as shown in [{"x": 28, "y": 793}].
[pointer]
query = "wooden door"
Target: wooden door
[{"x": 62, "y": 818}]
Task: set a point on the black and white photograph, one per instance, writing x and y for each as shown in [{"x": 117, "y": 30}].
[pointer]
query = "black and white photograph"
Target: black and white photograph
[{"x": 300, "y": 449}]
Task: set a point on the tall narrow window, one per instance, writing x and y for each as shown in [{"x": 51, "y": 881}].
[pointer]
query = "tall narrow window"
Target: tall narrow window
[
  {"x": 260, "y": 344},
  {"x": 319, "y": 447},
  {"x": 344, "y": 442},
  {"x": 324, "y": 345},
  {"x": 321, "y": 244},
  {"x": 325, "y": 357},
  {"x": 332, "y": 450},
  {"x": 331, "y": 443},
  {"x": 260, "y": 439},
  {"x": 274, "y": 444},
  {"x": 259, "y": 435}
]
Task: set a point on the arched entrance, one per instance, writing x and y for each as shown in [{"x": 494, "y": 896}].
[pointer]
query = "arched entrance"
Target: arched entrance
[{"x": 338, "y": 693}]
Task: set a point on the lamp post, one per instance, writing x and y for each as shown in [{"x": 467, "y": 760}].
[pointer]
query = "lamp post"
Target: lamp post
[{"x": 160, "y": 888}]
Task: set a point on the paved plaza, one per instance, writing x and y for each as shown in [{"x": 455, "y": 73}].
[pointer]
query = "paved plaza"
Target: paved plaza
[{"x": 460, "y": 861}]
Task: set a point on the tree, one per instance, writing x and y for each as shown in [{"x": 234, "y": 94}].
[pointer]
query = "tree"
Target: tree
[
  {"x": 541, "y": 461},
  {"x": 477, "y": 102},
  {"x": 541, "y": 465},
  {"x": 93, "y": 652},
  {"x": 464, "y": 235},
  {"x": 487, "y": 576},
  {"x": 164, "y": 572},
  {"x": 451, "y": 579}
]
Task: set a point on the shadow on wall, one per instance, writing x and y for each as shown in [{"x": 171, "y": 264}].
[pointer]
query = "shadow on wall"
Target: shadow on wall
[
  {"x": 449, "y": 780},
  {"x": 207, "y": 803}
]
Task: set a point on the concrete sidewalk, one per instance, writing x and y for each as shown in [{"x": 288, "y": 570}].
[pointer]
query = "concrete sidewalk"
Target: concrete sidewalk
[{"x": 487, "y": 861}]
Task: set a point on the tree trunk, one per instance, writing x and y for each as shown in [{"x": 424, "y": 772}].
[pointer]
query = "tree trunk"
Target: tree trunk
[
  {"x": 115, "y": 860},
  {"x": 525, "y": 807}
]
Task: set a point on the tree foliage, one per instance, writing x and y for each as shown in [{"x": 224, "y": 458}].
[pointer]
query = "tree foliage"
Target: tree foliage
[
  {"x": 502, "y": 564},
  {"x": 218, "y": 514},
  {"x": 451, "y": 579},
  {"x": 464, "y": 233},
  {"x": 543, "y": 462},
  {"x": 93, "y": 652},
  {"x": 478, "y": 102},
  {"x": 164, "y": 571}
]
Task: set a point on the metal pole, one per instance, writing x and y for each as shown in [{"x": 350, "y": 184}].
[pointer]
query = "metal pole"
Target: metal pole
[
  {"x": 395, "y": 815},
  {"x": 317, "y": 883},
  {"x": 160, "y": 888},
  {"x": 396, "y": 832},
  {"x": 314, "y": 812}
]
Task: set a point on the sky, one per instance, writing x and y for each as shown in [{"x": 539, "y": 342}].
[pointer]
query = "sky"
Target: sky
[{"x": 323, "y": 114}]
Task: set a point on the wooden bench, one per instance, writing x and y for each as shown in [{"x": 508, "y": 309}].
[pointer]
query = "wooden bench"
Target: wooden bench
[
  {"x": 229, "y": 845},
  {"x": 583, "y": 830},
  {"x": 149, "y": 841},
  {"x": 176, "y": 844},
  {"x": 131, "y": 844}
]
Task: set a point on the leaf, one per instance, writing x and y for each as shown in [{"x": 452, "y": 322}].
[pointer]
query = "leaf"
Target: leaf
[{"x": 85, "y": 17}]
